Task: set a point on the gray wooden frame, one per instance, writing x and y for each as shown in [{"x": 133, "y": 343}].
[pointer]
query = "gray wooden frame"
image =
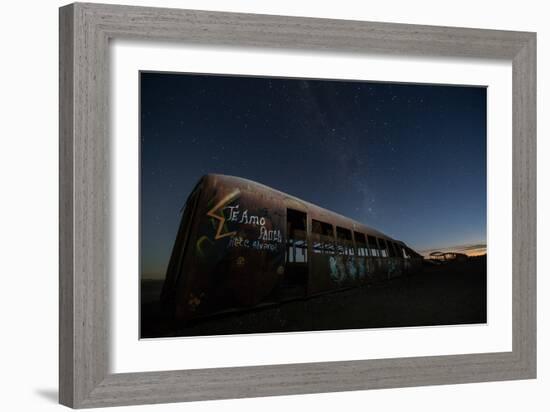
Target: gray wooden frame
[{"x": 85, "y": 30}]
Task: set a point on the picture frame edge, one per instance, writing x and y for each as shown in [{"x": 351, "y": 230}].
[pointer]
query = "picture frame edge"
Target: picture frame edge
[{"x": 84, "y": 379}]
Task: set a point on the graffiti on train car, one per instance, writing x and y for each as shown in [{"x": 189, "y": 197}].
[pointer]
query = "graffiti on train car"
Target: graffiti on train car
[
  {"x": 265, "y": 238},
  {"x": 217, "y": 213},
  {"x": 219, "y": 222},
  {"x": 245, "y": 218},
  {"x": 394, "y": 268},
  {"x": 240, "y": 242},
  {"x": 238, "y": 225},
  {"x": 348, "y": 268},
  {"x": 361, "y": 268},
  {"x": 352, "y": 269}
]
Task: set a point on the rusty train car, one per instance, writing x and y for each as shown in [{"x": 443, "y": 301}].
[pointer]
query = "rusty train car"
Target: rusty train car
[{"x": 241, "y": 244}]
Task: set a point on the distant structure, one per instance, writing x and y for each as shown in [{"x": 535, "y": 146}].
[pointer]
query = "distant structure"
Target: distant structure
[{"x": 448, "y": 256}]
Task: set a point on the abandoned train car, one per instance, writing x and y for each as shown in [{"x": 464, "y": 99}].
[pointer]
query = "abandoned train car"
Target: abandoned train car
[{"x": 241, "y": 244}]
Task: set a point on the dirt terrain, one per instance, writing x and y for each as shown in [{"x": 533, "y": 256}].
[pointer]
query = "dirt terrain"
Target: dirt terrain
[{"x": 451, "y": 293}]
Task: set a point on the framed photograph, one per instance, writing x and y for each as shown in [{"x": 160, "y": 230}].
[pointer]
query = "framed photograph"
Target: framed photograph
[
  {"x": 245, "y": 256},
  {"x": 257, "y": 205}
]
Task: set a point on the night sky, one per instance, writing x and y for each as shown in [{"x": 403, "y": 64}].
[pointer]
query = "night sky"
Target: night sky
[{"x": 406, "y": 159}]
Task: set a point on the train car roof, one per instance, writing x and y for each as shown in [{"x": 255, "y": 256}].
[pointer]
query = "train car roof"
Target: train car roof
[{"x": 332, "y": 217}]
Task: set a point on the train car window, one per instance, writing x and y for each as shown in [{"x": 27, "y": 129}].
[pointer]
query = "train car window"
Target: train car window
[
  {"x": 322, "y": 236},
  {"x": 391, "y": 253},
  {"x": 373, "y": 246},
  {"x": 344, "y": 242},
  {"x": 391, "y": 247},
  {"x": 383, "y": 247},
  {"x": 296, "y": 236},
  {"x": 398, "y": 250},
  {"x": 361, "y": 244}
]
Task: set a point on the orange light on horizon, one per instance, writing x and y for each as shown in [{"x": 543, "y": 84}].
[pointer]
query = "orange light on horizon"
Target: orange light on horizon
[{"x": 468, "y": 250}]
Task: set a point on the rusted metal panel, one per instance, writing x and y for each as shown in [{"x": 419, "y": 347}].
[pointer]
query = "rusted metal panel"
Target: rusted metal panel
[{"x": 232, "y": 250}]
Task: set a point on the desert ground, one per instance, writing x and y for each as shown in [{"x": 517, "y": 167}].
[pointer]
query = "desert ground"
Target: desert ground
[{"x": 446, "y": 294}]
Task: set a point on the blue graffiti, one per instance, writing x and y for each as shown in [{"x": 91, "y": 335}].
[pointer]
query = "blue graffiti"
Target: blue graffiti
[
  {"x": 352, "y": 270},
  {"x": 362, "y": 272},
  {"x": 337, "y": 270}
]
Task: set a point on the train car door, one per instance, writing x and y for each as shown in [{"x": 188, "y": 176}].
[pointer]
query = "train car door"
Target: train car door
[{"x": 295, "y": 279}]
